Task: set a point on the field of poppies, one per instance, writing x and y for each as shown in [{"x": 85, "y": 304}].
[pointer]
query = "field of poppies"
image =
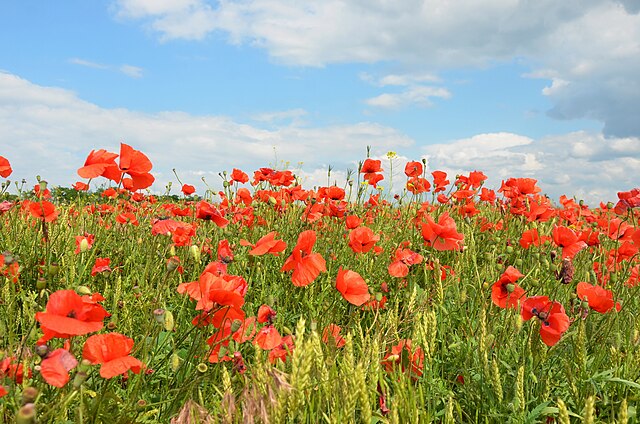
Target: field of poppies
[{"x": 270, "y": 302}]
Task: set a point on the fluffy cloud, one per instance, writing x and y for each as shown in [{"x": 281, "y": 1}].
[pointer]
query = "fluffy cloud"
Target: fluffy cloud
[
  {"x": 586, "y": 165},
  {"x": 50, "y": 131},
  {"x": 592, "y": 46}
]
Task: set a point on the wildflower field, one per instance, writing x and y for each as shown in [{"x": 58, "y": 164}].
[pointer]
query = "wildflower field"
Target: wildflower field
[{"x": 270, "y": 302}]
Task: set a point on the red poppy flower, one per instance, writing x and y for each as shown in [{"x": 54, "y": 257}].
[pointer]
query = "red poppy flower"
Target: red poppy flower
[
  {"x": 408, "y": 359},
  {"x": 5, "y": 167},
  {"x": 101, "y": 265},
  {"x": 305, "y": 264},
  {"x": 331, "y": 335},
  {"x": 11, "y": 368},
  {"x": 352, "y": 287},
  {"x": 353, "y": 221},
  {"x": 266, "y": 244},
  {"x": 68, "y": 314},
  {"x": 567, "y": 239},
  {"x": 628, "y": 199},
  {"x": 599, "y": 299},
  {"x": 112, "y": 351},
  {"x": 417, "y": 185},
  {"x": 246, "y": 331},
  {"x": 266, "y": 314},
  {"x": 97, "y": 164},
  {"x": 238, "y": 176},
  {"x": 442, "y": 235},
  {"x": 487, "y": 195},
  {"x": 268, "y": 338},
  {"x": 165, "y": 226},
  {"x": 402, "y": 260},
  {"x": 127, "y": 218},
  {"x": 362, "y": 239},
  {"x": 188, "y": 189},
  {"x": 439, "y": 181},
  {"x": 225, "y": 254},
  {"x": 282, "y": 351},
  {"x": 413, "y": 169},
  {"x": 505, "y": 293},
  {"x": 80, "y": 186},
  {"x": 43, "y": 209},
  {"x": 529, "y": 238},
  {"x": 84, "y": 243},
  {"x": 137, "y": 165},
  {"x": 553, "y": 319},
  {"x": 56, "y": 366},
  {"x": 208, "y": 212},
  {"x": 370, "y": 169}
]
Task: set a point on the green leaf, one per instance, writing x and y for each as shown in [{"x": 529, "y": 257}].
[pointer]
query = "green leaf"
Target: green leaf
[
  {"x": 535, "y": 413},
  {"x": 623, "y": 381}
]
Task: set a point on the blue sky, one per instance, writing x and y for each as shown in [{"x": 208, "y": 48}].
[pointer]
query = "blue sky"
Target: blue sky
[{"x": 545, "y": 90}]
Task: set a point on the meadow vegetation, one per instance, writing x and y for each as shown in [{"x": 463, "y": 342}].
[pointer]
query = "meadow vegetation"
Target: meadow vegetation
[{"x": 268, "y": 302}]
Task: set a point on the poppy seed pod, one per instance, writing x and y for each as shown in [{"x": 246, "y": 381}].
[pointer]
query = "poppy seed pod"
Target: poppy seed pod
[
  {"x": 26, "y": 414},
  {"x": 29, "y": 395},
  {"x": 159, "y": 315}
]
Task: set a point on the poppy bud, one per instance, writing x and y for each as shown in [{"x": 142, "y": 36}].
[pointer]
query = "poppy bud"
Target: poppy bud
[
  {"x": 26, "y": 414},
  {"x": 175, "y": 362},
  {"x": 226, "y": 184},
  {"x": 84, "y": 245},
  {"x": 169, "y": 322},
  {"x": 585, "y": 304},
  {"x": 613, "y": 277},
  {"x": 172, "y": 250},
  {"x": 194, "y": 250},
  {"x": 235, "y": 325},
  {"x": 272, "y": 200},
  {"x": 83, "y": 290}
]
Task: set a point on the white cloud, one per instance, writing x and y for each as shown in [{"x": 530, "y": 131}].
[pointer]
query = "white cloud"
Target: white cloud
[
  {"x": 416, "y": 95},
  {"x": 277, "y": 117},
  {"x": 591, "y": 47},
  {"x": 413, "y": 93},
  {"x": 589, "y": 166},
  {"x": 87, "y": 63},
  {"x": 50, "y": 131},
  {"x": 128, "y": 70},
  {"x": 173, "y": 19},
  {"x": 131, "y": 71}
]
